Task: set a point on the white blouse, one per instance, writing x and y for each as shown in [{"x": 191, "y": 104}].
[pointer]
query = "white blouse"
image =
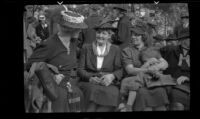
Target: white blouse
[{"x": 100, "y": 59}]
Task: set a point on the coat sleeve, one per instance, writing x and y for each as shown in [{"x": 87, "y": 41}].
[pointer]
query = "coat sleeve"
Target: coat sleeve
[
  {"x": 40, "y": 54},
  {"x": 118, "y": 72},
  {"x": 126, "y": 57},
  {"x": 82, "y": 72}
]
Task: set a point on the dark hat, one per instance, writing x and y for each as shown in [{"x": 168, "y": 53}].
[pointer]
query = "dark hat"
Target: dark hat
[
  {"x": 171, "y": 37},
  {"x": 67, "y": 18},
  {"x": 137, "y": 30},
  {"x": 105, "y": 24},
  {"x": 158, "y": 38},
  {"x": 183, "y": 34},
  {"x": 140, "y": 24},
  {"x": 121, "y": 7},
  {"x": 151, "y": 23}
]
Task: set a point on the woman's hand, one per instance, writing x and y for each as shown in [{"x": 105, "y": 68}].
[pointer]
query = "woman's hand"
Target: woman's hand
[
  {"x": 32, "y": 70},
  {"x": 107, "y": 79},
  {"x": 95, "y": 80},
  {"x": 182, "y": 79},
  {"x": 58, "y": 78}
]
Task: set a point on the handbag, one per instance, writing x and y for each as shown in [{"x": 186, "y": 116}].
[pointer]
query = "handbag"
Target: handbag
[{"x": 46, "y": 78}]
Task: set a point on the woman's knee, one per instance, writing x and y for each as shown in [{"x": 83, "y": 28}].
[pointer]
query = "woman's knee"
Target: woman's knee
[{"x": 177, "y": 106}]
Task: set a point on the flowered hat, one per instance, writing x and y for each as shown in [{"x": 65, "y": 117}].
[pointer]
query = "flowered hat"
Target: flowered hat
[{"x": 68, "y": 18}]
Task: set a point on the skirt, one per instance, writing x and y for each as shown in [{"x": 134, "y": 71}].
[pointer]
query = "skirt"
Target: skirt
[
  {"x": 181, "y": 94},
  {"x": 61, "y": 104},
  {"x": 102, "y": 95},
  {"x": 150, "y": 98}
]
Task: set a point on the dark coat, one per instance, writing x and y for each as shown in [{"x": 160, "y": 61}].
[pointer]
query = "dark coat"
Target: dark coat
[
  {"x": 124, "y": 34},
  {"x": 89, "y": 34},
  {"x": 41, "y": 32},
  {"x": 54, "y": 52},
  {"x": 88, "y": 63},
  {"x": 171, "y": 55}
]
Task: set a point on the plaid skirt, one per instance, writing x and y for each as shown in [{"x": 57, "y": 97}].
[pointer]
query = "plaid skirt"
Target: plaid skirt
[{"x": 102, "y": 95}]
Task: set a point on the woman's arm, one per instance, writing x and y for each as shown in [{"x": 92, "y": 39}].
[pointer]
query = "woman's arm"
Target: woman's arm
[
  {"x": 127, "y": 60},
  {"x": 131, "y": 70},
  {"x": 40, "y": 54},
  {"x": 82, "y": 72}
]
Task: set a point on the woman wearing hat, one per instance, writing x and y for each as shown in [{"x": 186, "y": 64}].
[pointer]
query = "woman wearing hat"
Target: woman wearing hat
[
  {"x": 136, "y": 61},
  {"x": 178, "y": 58},
  {"x": 60, "y": 50},
  {"x": 100, "y": 70}
]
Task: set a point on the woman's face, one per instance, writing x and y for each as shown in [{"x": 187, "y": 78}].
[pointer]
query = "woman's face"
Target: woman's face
[
  {"x": 102, "y": 36},
  {"x": 137, "y": 40}
]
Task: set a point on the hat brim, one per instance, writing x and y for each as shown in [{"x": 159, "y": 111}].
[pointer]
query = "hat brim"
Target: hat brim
[
  {"x": 137, "y": 31},
  {"x": 185, "y": 17},
  {"x": 107, "y": 28},
  {"x": 119, "y": 8},
  {"x": 183, "y": 38}
]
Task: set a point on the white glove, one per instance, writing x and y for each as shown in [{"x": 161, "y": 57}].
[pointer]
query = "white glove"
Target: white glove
[
  {"x": 181, "y": 79},
  {"x": 58, "y": 78}
]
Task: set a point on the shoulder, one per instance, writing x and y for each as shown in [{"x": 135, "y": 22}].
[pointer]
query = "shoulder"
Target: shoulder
[{"x": 115, "y": 47}]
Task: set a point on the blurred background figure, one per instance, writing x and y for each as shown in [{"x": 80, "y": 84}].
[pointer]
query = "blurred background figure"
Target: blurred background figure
[
  {"x": 123, "y": 26},
  {"x": 42, "y": 29},
  {"x": 184, "y": 23}
]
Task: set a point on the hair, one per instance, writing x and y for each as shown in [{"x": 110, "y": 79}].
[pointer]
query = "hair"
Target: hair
[{"x": 144, "y": 38}]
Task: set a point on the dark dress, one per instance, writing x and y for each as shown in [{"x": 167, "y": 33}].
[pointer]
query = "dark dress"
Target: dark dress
[
  {"x": 54, "y": 52},
  {"x": 146, "y": 97},
  {"x": 180, "y": 93},
  {"x": 124, "y": 34},
  {"x": 102, "y": 95},
  {"x": 41, "y": 32}
]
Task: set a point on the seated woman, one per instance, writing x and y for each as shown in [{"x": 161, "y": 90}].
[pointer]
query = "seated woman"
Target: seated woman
[
  {"x": 100, "y": 70},
  {"x": 133, "y": 57},
  {"x": 60, "y": 51}
]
